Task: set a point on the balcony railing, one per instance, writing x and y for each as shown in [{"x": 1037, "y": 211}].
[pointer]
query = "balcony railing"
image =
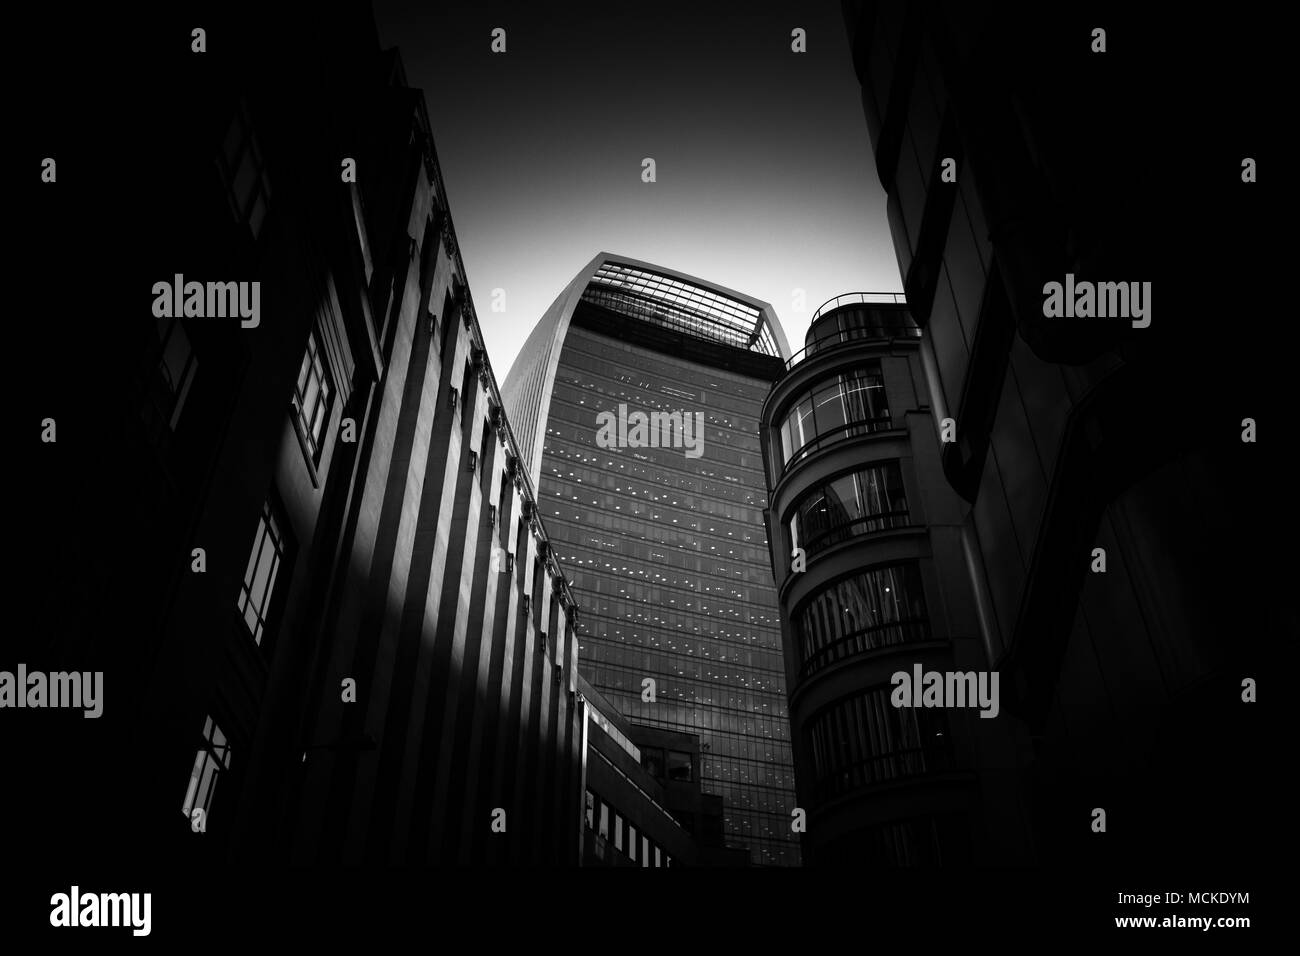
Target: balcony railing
[
  {"x": 900, "y": 326},
  {"x": 900, "y": 764},
  {"x": 848, "y": 530},
  {"x": 860, "y": 298},
  {"x": 866, "y": 426},
  {"x": 862, "y": 641}
]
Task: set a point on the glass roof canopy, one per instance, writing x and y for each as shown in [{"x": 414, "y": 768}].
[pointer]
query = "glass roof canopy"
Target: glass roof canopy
[{"x": 681, "y": 306}]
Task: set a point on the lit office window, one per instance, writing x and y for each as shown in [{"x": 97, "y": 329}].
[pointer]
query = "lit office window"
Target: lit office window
[
  {"x": 175, "y": 370},
  {"x": 243, "y": 172},
  {"x": 213, "y": 758},
  {"x": 311, "y": 397},
  {"x": 263, "y": 567}
]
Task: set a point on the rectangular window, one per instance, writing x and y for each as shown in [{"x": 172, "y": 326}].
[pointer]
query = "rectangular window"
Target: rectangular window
[
  {"x": 645, "y": 852},
  {"x": 263, "y": 568},
  {"x": 631, "y": 842},
  {"x": 311, "y": 397},
  {"x": 618, "y": 832},
  {"x": 448, "y": 321},
  {"x": 503, "y": 499},
  {"x": 485, "y": 446},
  {"x": 652, "y": 758},
  {"x": 604, "y": 821},
  {"x": 243, "y": 172},
  {"x": 679, "y": 766},
  {"x": 213, "y": 758},
  {"x": 591, "y": 811}
]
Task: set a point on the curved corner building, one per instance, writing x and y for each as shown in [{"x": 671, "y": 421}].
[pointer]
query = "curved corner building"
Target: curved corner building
[
  {"x": 660, "y": 528},
  {"x": 877, "y": 585}
]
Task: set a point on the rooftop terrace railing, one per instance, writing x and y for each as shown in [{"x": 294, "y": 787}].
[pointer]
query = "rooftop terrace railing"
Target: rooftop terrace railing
[
  {"x": 860, "y": 298},
  {"x": 885, "y": 329},
  {"x": 902, "y": 329}
]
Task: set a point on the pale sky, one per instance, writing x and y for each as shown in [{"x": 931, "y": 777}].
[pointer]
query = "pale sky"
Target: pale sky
[{"x": 765, "y": 178}]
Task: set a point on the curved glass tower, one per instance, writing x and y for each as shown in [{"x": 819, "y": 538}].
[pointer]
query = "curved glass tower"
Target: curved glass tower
[{"x": 637, "y": 400}]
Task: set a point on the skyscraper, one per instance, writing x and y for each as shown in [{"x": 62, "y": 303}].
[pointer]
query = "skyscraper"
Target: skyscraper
[{"x": 637, "y": 399}]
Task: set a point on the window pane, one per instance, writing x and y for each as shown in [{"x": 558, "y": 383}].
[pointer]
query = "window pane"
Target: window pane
[
  {"x": 829, "y": 410},
  {"x": 303, "y": 371},
  {"x": 679, "y": 766},
  {"x": 193, "y": 788},
  {"x": 262, "y": 573}
]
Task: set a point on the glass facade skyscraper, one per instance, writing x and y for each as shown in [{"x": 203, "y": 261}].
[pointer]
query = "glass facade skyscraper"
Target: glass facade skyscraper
[{"x": 660, "y": 530}]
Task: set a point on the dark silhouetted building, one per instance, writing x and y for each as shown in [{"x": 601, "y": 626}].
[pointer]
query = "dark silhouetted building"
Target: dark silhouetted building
[
  {"x": 637, "y": 400},
  {"x": 867, "y": 554},
  {"x": 329, "y": 620},
  {"x": 1016, "y": 154}
]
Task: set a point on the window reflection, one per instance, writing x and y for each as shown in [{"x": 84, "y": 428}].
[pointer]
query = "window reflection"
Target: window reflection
[
  {"x": 863, "y": 612},
  {"x": 311, "y": 397},
  {"x": 210, "y": 762},
  {"x": 263, "y": 568},
  {"x": 848, "y": 404},
  {"x": 860, "y": 502},
  {"x": 866, "y": 740}
]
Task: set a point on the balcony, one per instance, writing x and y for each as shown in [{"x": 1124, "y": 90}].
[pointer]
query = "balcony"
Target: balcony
[
  {"x": 842, "y": 323},
  {"x": 858, "y": 298},
  {"x": 846, "y": 529},
  {"x": 876, "y": 770},
  {"x": 866, "y": 426},
  {"x": 878, "y": 637}
]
